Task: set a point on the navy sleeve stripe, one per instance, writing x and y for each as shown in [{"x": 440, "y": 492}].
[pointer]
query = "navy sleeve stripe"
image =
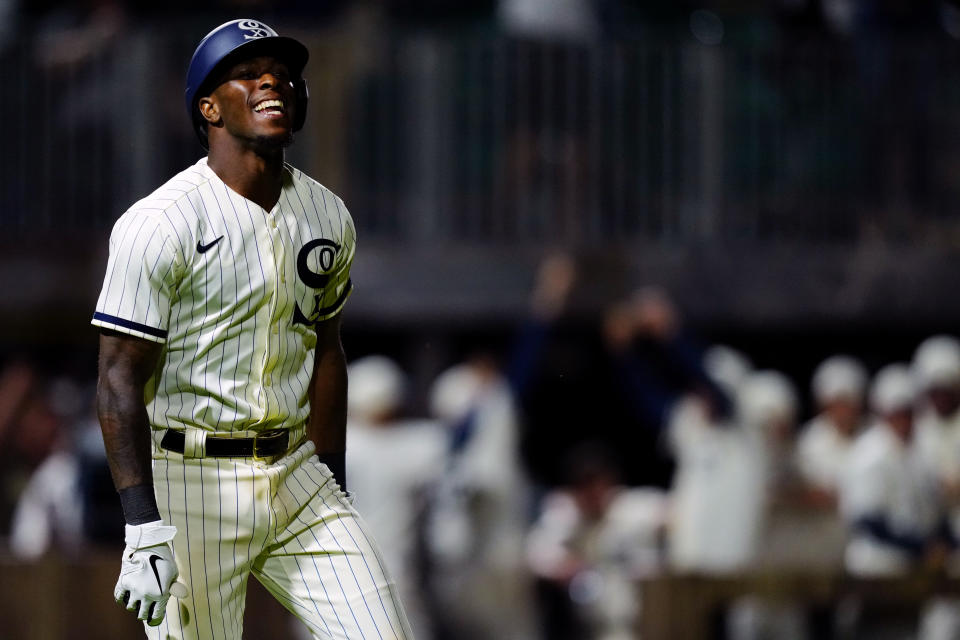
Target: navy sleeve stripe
[{"x": 130, "y": 324}]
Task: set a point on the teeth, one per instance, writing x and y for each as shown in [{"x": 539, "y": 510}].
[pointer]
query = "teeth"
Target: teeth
[{"x": 266, "y": 104}]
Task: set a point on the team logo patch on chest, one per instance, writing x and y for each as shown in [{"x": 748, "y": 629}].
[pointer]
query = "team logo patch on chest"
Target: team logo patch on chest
[{"x": 315, "y": 262}]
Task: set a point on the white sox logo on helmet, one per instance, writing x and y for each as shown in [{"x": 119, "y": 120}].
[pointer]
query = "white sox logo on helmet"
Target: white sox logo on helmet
[{"x": 256, "y": 29}]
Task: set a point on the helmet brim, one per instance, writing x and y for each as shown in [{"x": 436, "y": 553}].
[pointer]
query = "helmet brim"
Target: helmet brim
[{"x": 291, "y": 52}]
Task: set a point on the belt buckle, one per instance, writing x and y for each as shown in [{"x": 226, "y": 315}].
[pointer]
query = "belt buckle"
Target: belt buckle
[{"x": 266, "y": 435}]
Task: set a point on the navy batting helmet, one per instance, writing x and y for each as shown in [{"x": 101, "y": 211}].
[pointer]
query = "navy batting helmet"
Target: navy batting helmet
[{"x": 234, "y": 41}]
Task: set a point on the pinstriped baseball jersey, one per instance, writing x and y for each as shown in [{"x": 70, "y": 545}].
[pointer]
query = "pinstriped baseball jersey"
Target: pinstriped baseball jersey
[{"x": 232, "y": 291}]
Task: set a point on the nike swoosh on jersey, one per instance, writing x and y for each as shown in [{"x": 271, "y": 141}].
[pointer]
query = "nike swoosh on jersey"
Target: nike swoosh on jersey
[
  {"x": 203, "y": 248},
  {"x": 153, "y": 561}
]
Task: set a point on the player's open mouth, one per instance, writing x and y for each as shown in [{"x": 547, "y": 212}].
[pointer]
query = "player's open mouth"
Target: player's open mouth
[{"x": 273, "y": 108}]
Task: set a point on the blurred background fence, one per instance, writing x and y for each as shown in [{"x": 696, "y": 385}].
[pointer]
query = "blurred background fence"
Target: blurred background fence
[
  {"x": 483, "y": 138},
  {"x": 682, "y": 159}
]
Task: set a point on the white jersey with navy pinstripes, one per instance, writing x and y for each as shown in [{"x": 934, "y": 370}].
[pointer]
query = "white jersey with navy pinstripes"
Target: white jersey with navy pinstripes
[{"x": 232, "y": 291}]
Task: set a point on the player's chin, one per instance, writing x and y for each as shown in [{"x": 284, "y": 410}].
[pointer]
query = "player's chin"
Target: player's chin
[{"x": 278, "y": 139}]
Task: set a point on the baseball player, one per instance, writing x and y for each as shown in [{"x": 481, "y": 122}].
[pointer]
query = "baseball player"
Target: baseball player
[
  {"x": 590, "y": 542},
  {"x": 222, "y": 387},
  {"x": 392, "y": 463},
  {"x": 891, "y": 500},
  {"x": 838, "y": 388},
  {"x": 888, "y": 495},
  {"x": 936, "y": 371}
]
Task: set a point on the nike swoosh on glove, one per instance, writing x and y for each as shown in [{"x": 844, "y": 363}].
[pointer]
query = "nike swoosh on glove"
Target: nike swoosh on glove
[{"x": 148, "y": 572}]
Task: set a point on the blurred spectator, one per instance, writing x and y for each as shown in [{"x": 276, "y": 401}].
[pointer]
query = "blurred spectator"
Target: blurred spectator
[
  {"x": 438, "y": 13},
  {"x": 838, "y": 387},
  {"x": 554, "y": 20},
  {"x": 28, "y": 431},
  {"x": 543, "y": 160},
  {"x": 80, "y": 31},
  {"x": 592, "y": 540},
  {"x": 657, "y": 362},
  {"x": 390, "y": 463},
  {"x": 63, "y": 506},
  {"x": 49, "y": 511}
]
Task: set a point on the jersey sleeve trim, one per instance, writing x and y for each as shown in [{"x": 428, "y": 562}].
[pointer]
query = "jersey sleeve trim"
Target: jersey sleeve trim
[{"x": 129, "y": 326}]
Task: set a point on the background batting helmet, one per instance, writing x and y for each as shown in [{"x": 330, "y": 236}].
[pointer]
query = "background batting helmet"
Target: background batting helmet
[{"x": 235, "y": 40}]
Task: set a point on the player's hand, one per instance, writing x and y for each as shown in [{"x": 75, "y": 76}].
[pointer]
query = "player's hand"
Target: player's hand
[{"x": 148, "y": 573}]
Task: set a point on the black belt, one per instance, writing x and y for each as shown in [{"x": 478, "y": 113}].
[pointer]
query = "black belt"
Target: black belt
[{"x": 264, "y": 445}]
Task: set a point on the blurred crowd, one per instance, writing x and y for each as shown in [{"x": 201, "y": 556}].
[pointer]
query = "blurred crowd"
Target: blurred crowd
[
  {"x": 868, "y": 486},
  {"x": 484, "y": 544},
  {"x": 575, "y": 18}
]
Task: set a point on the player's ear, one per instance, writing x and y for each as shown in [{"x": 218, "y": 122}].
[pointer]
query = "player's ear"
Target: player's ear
[{"x": 210, "y": 110}]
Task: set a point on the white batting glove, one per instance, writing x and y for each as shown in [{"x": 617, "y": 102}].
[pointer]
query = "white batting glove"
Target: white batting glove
[{"x": 148, "y": 573}]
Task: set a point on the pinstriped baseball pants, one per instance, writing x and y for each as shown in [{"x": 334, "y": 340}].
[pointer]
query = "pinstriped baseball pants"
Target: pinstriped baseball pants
[{"x": 287, "y": 523}]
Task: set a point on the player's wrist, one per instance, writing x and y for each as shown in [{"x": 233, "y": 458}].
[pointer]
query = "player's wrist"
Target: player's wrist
[{"x": 139, "y": 504}]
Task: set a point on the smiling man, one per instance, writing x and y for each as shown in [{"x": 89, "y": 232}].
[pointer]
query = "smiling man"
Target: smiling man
[{"x": 222, "y": 389}]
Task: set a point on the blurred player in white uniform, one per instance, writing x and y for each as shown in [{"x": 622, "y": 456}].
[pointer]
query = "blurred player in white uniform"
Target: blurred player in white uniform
[
  {"x": 891, "y": 499},
  {"x": 718, "y": 489},
  {"x": 728, "y": 472},
  {"x": 49, "y": 512},
  {"x": 392, "y": 463},
  {"x": 727, "y": 367},
  {"x": 838, "y": 387},
  {"x": 593, "y": 540},
  {"x": 936, "y": 369},
  {"x": 478, "y": 515},
  {"x": 888, "y": 496}
]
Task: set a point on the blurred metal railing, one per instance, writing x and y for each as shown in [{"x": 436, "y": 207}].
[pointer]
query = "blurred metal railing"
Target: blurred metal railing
[{"x": 491, "y": 140}]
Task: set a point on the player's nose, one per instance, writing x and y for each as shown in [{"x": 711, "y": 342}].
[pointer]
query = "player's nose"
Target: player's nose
[{"x": 268, "y": 80}]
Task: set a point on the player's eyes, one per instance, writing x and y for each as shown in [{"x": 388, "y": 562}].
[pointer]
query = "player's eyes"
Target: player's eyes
[
  {"x": 254, "y": 75},
  {"x": 281, "y": 74}
]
